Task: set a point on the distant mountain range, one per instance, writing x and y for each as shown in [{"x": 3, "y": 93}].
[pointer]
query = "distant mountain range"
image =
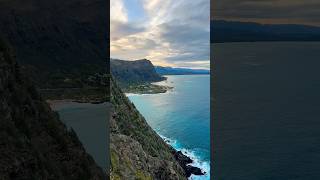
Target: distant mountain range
[
  {"x": 234, "y": 31},
  {"x": 179, "y": 71}
]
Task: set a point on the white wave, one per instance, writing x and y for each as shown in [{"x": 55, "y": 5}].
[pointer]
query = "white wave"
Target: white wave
[
  {"x": 135, "y": 94},
  {"x": 130, "y": 94},
  {"x": 166, "y": 82},
  {"x": 197, "y": 162}
]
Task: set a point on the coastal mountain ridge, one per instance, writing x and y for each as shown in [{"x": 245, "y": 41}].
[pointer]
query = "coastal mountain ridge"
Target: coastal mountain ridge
[
  {"x": 134, "y": 72},
  {"x": 138, "y": 76},
  {"x": 236, "y": 31}
]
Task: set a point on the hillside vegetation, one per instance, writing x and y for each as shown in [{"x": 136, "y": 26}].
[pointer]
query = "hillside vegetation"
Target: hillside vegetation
[
  {"x": 137, "y": 152},
  {"x": 60, "y": 45},
  {"x": 35, "y": 144}
]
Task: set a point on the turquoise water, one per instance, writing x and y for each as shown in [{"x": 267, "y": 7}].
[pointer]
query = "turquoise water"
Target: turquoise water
[{"x": 182, "y": 116}]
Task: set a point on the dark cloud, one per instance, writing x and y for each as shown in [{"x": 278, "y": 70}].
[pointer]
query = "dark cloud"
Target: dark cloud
[
  {"x": 142, "y": 43},
  {"x": 191, "y": 41},
  {"x": 269, "y": 11},
  {"x": 124, "y": 29}
]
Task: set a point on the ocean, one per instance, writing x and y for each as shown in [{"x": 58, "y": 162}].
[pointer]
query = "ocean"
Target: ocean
[
  {"x": 89, "y": 121},
  {"x": 266, "y": 111},
  {"x": 181, "y": 116}
]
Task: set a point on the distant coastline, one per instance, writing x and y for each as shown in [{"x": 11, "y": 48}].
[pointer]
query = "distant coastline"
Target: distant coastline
[
  {"x": 157, "y": 87},
  {"x": 180, "y": 71},
  {"x": 238, "y": 31}
]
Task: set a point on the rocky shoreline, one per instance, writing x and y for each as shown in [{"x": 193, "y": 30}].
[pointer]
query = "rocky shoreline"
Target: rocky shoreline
[
  {"x": 147, "y": 89},
  {"x": 185, "y": 162}
]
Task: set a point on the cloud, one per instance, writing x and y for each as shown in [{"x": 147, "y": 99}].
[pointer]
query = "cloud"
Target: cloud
[
  {"x": 270, "y": 11},
  {"x": 120, "y": 29},
  {"x": 175, "y": 32},
  {"x": 118, "y": 12},
  {"x": 189, "y": 40},
  {"x": 197, "y": 64}
]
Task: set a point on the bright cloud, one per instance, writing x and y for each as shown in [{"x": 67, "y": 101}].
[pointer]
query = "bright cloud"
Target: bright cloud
[
  {"x": 173, "y": 33},
  {"x": 118, "y": 11}
]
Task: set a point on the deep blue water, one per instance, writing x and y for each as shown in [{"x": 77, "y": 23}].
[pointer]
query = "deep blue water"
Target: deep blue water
[
  {"x": 182, "y": 115},
  {"x": 266, "y": 111}
]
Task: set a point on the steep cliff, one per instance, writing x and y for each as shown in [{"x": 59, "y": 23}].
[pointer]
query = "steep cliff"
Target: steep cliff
[
  {"x": 134, "y": 72},
  {"x": 137, "y": 152},
  {"x": 34, "y": 143}
]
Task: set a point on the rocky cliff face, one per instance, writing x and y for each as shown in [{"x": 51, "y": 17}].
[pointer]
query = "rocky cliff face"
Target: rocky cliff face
[
  {"x": 137, "y": 152},
  {"x": 34, "y": 143},
  {"x": 134, "y": 72}
]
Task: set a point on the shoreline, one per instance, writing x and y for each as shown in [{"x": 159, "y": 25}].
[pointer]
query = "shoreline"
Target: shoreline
[
  {"x": 54, "y": 103},
  {"x": 198, "y": 164},
  {"x": 149, "y": 88},
  {"x": 157, "y": 87}
]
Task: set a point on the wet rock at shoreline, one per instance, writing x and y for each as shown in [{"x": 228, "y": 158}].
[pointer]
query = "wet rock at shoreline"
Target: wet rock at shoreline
[
  {"x": 193, "y": 170},
  {"x": 184, "y": 161}
]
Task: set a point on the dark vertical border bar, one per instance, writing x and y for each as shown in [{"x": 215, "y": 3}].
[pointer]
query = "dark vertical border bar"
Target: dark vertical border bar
[
  {"x": 109, "y": 90},
  {"x": 212, "y": 94}
]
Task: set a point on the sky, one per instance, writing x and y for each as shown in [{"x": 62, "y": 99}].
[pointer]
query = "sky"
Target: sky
[
  {"x": 172, "y": 33},
  {"x": 268, "y": 11}
]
